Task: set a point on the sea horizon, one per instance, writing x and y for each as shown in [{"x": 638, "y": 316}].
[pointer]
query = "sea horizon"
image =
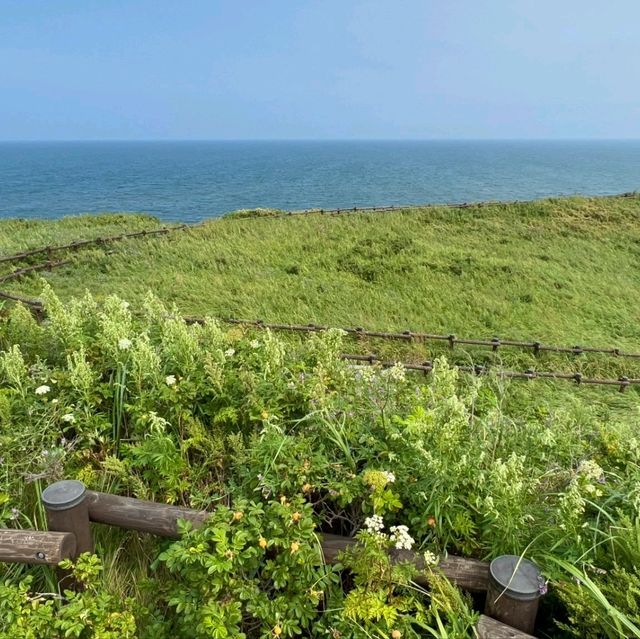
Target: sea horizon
[{"x": 190, "y": 180}]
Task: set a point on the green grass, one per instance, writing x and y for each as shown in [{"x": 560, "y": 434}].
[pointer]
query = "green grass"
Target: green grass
[
  {"x": 560, "y": 271},
  {"x": 18, "y": 235}
]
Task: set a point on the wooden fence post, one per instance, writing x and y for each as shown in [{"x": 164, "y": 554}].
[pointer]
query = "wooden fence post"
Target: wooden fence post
[
  {"x": 514, "y": 591},
  {"x": 67, "y": 511}
]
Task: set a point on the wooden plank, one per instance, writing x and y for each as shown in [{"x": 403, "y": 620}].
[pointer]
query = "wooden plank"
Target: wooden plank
[
  {"x": 137, "y": 514},
  {"x": 36, "y": 547},
  {"x": 488, "y": 628},
  {"x": 468, "y": 574}
]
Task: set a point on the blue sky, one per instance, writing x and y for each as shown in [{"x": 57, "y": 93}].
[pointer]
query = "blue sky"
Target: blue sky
[{"x": 279, "y": 69}]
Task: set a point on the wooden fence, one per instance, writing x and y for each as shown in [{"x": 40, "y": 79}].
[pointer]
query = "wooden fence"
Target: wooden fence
[{"x": 71, "y": 508}]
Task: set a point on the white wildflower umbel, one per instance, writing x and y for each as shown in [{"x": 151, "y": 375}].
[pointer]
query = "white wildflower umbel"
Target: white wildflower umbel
[
  {"x": 230, "y": 352},
  {"x": 124, "y": 344},
  {"x": 170, "y": 380},
  {"x": 430, "y": 559},
  {"x": 401, "y": 538},
  {"x": 69, "y": 418},
  {"x": 374, "y": 524},
  {"x": 254, "y": 343},
  {"x": 43, "y": 390}
]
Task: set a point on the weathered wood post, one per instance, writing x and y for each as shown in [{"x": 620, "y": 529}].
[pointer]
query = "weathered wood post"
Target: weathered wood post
[
  {"x": 68, "y": 511},
  {"x": 514, "y": 591}
]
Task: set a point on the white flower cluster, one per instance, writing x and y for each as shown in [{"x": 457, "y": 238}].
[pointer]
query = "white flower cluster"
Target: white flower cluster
[
  {"x": 124, "y": 344},
  {"x": 170, "y": 380},
  {"x": 43, "y": 390},
  {"x": 69, "y": 418},
  {"x": 389, "y": 476},
  {"x": 230, "y": 352},
  {"x": 254, "y": 343},
  {"x": 396, "y": 372},
  {"x": 401, "y": 538},
  {"x": 374, "y": 524},
  {"x": 429, "y": 558}
]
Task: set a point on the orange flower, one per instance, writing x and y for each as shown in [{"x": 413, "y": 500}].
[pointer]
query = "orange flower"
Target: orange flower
[{"x": 432, "y": 522}]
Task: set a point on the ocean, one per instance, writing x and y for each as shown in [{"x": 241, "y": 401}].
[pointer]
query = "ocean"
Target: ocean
[{"x": 190, "y": 181}]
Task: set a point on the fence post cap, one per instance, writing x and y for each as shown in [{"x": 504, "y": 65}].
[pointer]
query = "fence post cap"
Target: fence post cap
[
  {"x": 518, "y": 577},
  {"x": 63, "y": 494}
]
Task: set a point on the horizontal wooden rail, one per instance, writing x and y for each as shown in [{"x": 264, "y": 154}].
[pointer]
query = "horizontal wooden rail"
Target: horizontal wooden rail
[
  {"x": 65, "y": 498},
  {"x": 36, "y": 547},
  {"x": 489, "y": 628},
  {"x": 162, "y": 520},
  {"x": 495, "y": 343},
  {"x": 143, "y": 516}
]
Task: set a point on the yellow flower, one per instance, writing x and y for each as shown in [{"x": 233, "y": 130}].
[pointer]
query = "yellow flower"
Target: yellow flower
[
  {"x": 307, "y": 488},
  {"x": 296, "y": 517},
  {"x": 295, "y": 546},
  {"x": 237, "y": 516},
  {"x": 262, "y": 542},
  {"x": 265, "y": 415},
  {"x": 277, "y": 631},
  {"x": 396, "y": 634}
]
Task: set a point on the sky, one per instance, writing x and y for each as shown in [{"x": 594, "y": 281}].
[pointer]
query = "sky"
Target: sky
[{"x": 319, "y": 69}]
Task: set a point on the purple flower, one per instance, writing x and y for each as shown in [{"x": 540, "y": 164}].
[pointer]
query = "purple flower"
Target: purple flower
[{"x": 543, "y": 586}]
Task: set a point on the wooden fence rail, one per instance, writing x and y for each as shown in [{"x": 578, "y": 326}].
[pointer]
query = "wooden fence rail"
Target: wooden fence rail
[
  {"x": 36, "y": 547},
  {"x": 71, "y": 509}
]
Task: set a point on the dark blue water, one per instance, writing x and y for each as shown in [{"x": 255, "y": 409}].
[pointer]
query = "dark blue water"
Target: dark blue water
[{"x": 193, "y": 180}]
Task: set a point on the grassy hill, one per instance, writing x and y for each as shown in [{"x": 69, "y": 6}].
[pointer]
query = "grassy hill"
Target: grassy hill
[
  {"x": 560, "y": 271},
  {"x": 281, "y": 439}
]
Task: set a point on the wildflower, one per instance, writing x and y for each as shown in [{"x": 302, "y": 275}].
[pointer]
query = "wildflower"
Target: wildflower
[
  {"x": 306, "y": 488},
  {"x": 295, "y": 546},
  {"x": 230, "y": 352},
  {"x": 374, "y": 524},
  {"x": 15, "y": 513},
  {"x": 69, "y": 418},
  {"x": 254, "y": 343},
  {"x": 262, "y": 542},
  {"x": 55, "y": 401},
  {"x": 429, "y": 558},
  {"x": 277, "y": 630},
  {"x": 390, "y": 477},
  {"x": 43, "y": 390},
  {"x": 264, "y": 414},
  {"x": 238, "y": 515},
  {"x": 431, "y": 521},
  {"x": 401, "y": 537},
  {"x": 396, "y": 634},
  {"x": 296, "y": 517},
  {"x": 170, "y": 380},
  {"x": 543, "y": 586},
  {"x": 124, "y": 344},
  {"x": 396, "y": 372}
]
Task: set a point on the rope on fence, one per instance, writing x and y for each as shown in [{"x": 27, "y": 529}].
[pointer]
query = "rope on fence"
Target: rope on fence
[
  {"x": 426, "y": 367},
  {"x": 494, "y": 343},
  {"x": 77, "y": 244}
]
